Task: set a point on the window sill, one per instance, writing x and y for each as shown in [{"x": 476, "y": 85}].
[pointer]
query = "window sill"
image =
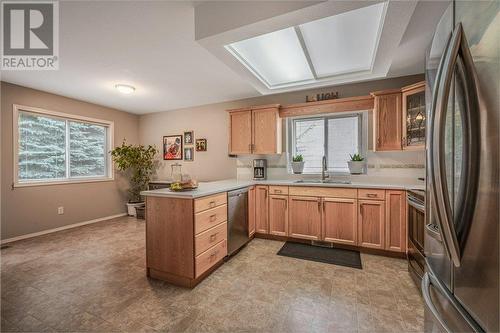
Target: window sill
[{"x": 63, "y": 182}]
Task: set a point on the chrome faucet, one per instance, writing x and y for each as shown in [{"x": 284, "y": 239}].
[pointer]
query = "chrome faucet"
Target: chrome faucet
[{"x": 324, "y": 170}]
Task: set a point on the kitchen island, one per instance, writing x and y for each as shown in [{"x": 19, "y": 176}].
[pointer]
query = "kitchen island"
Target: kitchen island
[{"x": 186, "y": 232}]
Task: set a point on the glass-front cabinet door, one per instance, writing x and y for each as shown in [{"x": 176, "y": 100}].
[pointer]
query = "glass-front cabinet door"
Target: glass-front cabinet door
[{"x": 414, "y": 116}]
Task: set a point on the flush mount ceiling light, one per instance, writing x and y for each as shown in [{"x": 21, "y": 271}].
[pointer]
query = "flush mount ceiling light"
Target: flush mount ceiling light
[
  {"x": 125, "y": 88},
  {"x": 335, "y": 45}
]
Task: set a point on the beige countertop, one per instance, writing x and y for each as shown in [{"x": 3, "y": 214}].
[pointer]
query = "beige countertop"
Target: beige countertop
[{"x": 208, "y": 188}]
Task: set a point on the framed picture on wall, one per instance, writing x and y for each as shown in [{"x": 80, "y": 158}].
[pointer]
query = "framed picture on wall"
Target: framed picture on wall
[
  {"x": 172, "y": 147},
  {"x": 189, "y": 138},
  {"x": 188, "y": 154},
  {"x": 201, "y": 144}
]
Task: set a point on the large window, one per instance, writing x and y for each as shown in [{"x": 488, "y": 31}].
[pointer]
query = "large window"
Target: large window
[
  {"x": 52, "y": 147},
  {"x": 334, "y": 137}
]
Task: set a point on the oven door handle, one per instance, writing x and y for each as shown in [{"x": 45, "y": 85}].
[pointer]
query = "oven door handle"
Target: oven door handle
[{"x": 412, "y": 202}]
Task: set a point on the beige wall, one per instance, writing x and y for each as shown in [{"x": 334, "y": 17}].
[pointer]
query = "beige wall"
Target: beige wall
[
  {"x": 211, "y": 122},
  {"x": 32, "y": 209}
]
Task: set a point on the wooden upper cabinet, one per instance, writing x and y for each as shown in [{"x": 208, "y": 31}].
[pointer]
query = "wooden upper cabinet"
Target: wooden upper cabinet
[
  {"x": 240, "y": 132},
  {"x": 371, "y": 223},
  {"x": 340, "y": 220},
  {"x": 413, "y": 98},
  {"x": 387, "y": 120},
  {"x": 261, "y": 209},
  {"x": 255, "y": 130},
  {"x": 278, "y": 215},
  {"x": 304, "y": 217},
  {"x": 395, "y": 221},
  {"x": 251, "y": 211}
]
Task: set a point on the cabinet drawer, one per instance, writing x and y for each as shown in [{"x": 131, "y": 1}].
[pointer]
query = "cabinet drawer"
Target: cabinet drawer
[
  {"x": 210, "y": 237},
  {"x": 365, "y": 193},
  {"x": 210, "y": 257},
  {"x": 278, "y": 190},
  {"x": 313, "y": 191},
  {"x": 212, "y": 201},
  {"x": 209, "y": 218}
]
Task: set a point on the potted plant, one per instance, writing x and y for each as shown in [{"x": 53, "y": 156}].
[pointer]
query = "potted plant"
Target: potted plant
[
  {"x": 298, "y": 164},
  {"x": 137, "y": 162},
  {"x": 356, "y": 164}
]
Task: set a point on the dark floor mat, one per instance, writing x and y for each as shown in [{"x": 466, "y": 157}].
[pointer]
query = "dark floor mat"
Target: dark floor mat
[{"x": 327, "y": 255}]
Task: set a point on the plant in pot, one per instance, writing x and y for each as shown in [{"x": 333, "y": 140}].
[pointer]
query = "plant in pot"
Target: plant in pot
[
  {"x": 137, "y": 162},
  {"x": 298, "y": 164},
  {"x": 356, "y": 164}
]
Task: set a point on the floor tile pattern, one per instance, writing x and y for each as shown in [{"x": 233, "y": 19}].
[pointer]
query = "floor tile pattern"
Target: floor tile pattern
[{"x": 92, "y": 279}]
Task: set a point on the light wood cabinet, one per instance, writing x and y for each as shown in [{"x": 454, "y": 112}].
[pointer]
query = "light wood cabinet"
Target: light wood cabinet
[
  {"x": 413, "y": 99},
  {"x": 371, "y": 223},
  {"x": 261, "y": 209},
  {"x": 255, "y": 130},
  {"x": 251, "y": 211},
  {"x": 340, "y": 220},
  {"x": 395, "y": 221},
  {"x": 304, "y": 217},
  {"x": 387, "y": 120},
  {"x": 278, "y": 215}
]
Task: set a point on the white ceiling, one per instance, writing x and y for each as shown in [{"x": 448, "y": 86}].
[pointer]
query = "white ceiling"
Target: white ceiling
[{"x": 152, "y": 46}]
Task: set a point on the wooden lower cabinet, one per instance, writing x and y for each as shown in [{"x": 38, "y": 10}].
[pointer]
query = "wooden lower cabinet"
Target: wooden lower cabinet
[
  {"x": 371, "y": 223},
  {"x": 261, "y": 209},
  {"x": 395, "y": 221},
  {"x": 278, "y": 215},
  {"x": 251, "y": 211},
  {"x": 304, "y": 217},
  {"x": 340, "y": 220}
]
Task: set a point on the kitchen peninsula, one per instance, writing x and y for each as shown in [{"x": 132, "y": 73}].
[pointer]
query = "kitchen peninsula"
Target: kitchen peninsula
[{"x": 186, "y": 232}]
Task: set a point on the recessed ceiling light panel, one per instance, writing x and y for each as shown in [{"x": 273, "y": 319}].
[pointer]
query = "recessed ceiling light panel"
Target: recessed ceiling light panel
[{"x": 125, "y": 88}]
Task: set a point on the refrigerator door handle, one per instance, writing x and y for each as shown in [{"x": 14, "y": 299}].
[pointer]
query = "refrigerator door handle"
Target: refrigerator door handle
[
  {"x": 468, "y": 182},
  {"x": 428, "y": 280}
]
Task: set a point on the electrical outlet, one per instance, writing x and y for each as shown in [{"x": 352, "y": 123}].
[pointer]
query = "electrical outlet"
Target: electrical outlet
[{"x": 60, "y": 210}]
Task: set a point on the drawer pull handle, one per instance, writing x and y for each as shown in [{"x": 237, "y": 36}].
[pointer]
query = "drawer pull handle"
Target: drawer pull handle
[
  {"x": 213, "y": 237},
  {"x": 371, "y": 195},
  {"x": 213, "y": 217},
  {"x": 213, "y": 255},
  {"x": 277, "y": 191},
  {"x": 211, "y": 204}
]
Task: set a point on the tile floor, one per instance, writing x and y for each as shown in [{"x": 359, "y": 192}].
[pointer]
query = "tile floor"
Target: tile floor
[{"x": 93, "y": 279}]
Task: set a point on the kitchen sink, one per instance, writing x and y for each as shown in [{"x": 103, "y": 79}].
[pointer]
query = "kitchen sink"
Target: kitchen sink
[{"x": 319, "y": 181}]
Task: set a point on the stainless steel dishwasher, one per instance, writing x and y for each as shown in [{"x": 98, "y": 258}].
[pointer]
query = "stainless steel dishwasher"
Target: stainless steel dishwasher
[{"x": 237, "y": 220}]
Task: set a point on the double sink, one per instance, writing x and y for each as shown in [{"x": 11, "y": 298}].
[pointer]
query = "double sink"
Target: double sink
[{"x": 320, "y": 181}]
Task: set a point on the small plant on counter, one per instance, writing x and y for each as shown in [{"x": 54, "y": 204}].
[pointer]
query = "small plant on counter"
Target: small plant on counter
[
  {"x": 298, "y": 164},
  {"x": 356, "y": 158},
  {"x": 356, "y": 164},
  {"x": 138, "y": 163}
]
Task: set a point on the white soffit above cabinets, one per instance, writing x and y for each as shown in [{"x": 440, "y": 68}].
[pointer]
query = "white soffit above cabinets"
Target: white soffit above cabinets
[{"x": 328, "y": 43}]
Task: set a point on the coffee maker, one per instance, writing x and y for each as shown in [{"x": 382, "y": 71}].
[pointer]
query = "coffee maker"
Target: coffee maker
[{"x": 259, "y": 169}]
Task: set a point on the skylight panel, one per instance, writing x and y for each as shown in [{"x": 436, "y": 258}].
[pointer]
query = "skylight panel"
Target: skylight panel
[
  {"x": 276, "y": 58},
  {"x": 345, "y": 42}
]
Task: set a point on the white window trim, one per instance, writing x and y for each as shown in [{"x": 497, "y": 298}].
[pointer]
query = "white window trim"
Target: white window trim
[
  {"x": 363, "y": 133},
  {"x": 110, "y": 175}
]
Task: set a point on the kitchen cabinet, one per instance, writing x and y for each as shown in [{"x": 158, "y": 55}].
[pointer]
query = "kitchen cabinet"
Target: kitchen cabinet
[
  {"x": 371, "y": 223},
  {"x": 304, "y": 217},
  {"x": 387, "y": 120},
  {"x": 340, "y": 220},
  {"x": 261, "y": 209},
  {"x": 395, "y": 224},
  {"x": 278, "y": 215},
  {"x": 413, "y": 98},
  {"x": 251, "y": 211},
  {"x": 255, "y": 130}
]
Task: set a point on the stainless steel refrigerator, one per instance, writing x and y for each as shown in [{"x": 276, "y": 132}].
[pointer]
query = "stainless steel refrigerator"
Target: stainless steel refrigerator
[{"x": 461, "y": 283}]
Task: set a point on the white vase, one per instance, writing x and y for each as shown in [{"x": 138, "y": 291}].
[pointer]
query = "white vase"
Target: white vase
[
  {"x": 131, "y": 208},
  {"x": 298, "y": 167},
  {"x": 356, "y": 167}
]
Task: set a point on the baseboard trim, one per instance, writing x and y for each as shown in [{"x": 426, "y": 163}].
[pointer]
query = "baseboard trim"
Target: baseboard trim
[{"x": 69, "y": 226}]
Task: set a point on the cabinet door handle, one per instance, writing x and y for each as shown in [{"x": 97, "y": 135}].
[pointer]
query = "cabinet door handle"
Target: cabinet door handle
[
  {"x": 286, "y": 204},
  {"x": 213, "y": 217},
  {"x": 361, "y": 209},
  {"x": 319, "y": 205},
  {"x": 324, "y": 204}
]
